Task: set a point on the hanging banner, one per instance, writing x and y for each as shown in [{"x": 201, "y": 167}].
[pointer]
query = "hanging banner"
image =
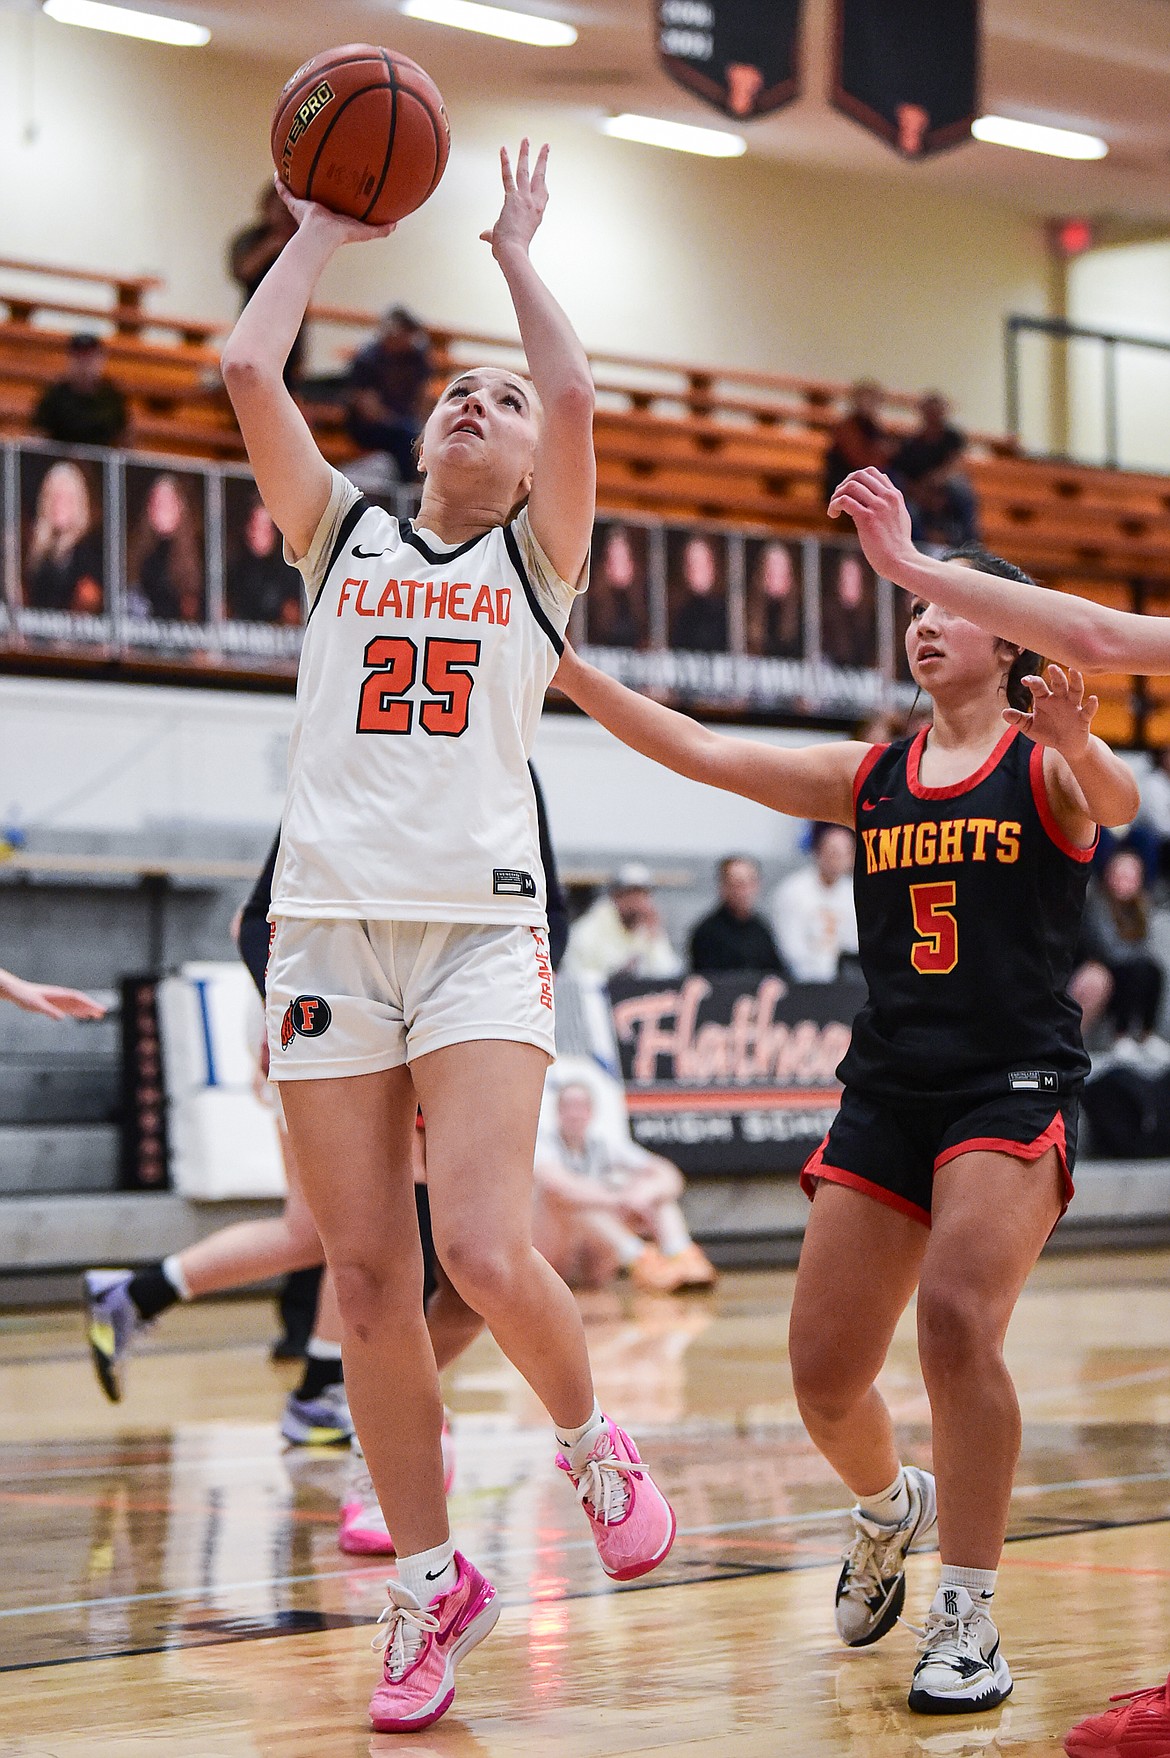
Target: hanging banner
[
  {"x": 741, "y": 56},
  {"x": 909, "y": 70}
]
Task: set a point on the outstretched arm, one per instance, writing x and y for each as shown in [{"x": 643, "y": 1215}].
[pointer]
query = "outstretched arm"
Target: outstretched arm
[
  {"x": 292, "y": 476},
  {"x": 564, "y": 477},
  {"x": 813, "y": 781},
  {"x": 1070, "y": 629},
  {"x": 49, "y": 999}
]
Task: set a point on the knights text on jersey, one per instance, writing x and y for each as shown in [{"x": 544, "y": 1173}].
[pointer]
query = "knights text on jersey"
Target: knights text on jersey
[
  {"x": 969, "y": 901},
  {"x": 421, "y": 683}
]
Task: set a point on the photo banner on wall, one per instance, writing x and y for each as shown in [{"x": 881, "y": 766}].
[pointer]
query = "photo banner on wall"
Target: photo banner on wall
[
  {"x": 909, "y": 70},
  {"x": 739, "y": 55}
]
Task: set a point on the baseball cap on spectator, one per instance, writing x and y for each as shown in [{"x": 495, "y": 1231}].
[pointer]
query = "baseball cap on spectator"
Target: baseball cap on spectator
[{"x": 633, "y": 876}]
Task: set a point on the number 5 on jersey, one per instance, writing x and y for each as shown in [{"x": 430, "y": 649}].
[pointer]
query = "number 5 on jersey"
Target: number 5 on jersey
[
  {"x": 936, "y": 951},
  {"x": 447, "y": 674}
]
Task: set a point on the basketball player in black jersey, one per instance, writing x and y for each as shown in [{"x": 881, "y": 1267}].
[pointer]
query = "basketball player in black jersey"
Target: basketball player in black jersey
[{"x": 950, "y": 1160}]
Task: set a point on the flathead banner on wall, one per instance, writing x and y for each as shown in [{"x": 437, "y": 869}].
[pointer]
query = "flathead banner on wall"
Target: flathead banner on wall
[
  {"x": 909, "y": 70},
  {"x": 742, "y": 56},
  {"x": 732, "y": 1074}
]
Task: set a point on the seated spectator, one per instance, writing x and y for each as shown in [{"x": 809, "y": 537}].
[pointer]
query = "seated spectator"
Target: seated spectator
[
  {"x": 261, "y": 587},
  {"x": 734, "y": 937},
  {"x": 1154, "y": 817},
  {"x": 622, "y": 933},
  {"x": 859, "y": 439},
  {"x": 813, "y": 915},
  {"x": 1117, "y": 937},
  {"x": 943, "y": 508},
  {"x": 388, "y": 380},
  {"x": 84, "y": 408},
  {"x": 602, "y": 1207},
  {"x": 252, "y": 253},
  {"x": 63, "y": 566}
]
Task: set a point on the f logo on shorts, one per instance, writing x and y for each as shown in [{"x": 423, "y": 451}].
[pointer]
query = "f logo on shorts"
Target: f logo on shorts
[{"x": 306, "y": 1017}]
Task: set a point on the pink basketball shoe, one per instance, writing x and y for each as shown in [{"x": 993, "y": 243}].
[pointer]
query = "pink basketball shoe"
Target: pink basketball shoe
[
  {"x": 423, "y": 1645},
  {"x": 362, "y": 1531},
  {"x": 631, "y": 1520}
]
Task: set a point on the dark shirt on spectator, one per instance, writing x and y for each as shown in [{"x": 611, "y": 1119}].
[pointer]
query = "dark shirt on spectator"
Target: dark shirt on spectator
[
  {"x": 726, "y": 942},
  {"x": 398, "y": 376},
  {"x": 855, "y": 443},
  {"x": 74, "y": 417},
  {"x": 920, "y": 456}
]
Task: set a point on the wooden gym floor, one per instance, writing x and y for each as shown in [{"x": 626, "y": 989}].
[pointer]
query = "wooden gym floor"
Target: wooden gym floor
[{"x": 171, "y": 1583}]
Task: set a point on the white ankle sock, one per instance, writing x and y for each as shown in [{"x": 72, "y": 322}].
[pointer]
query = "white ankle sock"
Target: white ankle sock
[
  {"x": 173, "y": 1271},
  {"x": 673, "y": 1237},
  {"x": 429, "y": 1571},
  {"x": 891, "y": 1506},
  {"x": 570, "y": 1439},
  {"x": 980, "y": 1583}
]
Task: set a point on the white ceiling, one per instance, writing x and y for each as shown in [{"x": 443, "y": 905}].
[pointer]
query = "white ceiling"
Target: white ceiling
[{"x": 1099, "y": 65}]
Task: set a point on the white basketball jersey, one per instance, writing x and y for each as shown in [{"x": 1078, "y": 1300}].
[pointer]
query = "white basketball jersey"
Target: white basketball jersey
[{"x": 421, "y": 682}]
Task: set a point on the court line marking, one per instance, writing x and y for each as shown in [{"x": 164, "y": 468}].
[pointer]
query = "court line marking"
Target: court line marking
[{"x": 205, "y": 1595}]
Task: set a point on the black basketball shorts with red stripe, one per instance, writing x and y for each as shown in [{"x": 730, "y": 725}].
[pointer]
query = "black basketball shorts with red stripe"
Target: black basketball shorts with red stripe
[{"x": 891, "y": 1150}]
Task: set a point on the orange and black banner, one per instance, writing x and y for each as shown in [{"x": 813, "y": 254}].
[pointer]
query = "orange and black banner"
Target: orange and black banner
[
  {"x": 742, "y": 56},
  {"x": 909, "y": 70},
  {"x": 732, "y": 1073}
]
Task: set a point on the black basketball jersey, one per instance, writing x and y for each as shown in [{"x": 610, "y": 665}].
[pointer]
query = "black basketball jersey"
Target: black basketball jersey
[{"x": 969, "y": 902}]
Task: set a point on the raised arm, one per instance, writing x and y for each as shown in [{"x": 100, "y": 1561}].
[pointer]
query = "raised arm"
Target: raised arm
[
  {"x": 564, "y": 477},
  {"x": 812, "y": 781},
  {"x": 292, "y": 476},
  {"x": 1073, "y": 630}
]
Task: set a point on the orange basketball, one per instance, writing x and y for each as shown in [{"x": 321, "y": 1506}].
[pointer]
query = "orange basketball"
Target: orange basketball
[{"x": 363, "y": 131}]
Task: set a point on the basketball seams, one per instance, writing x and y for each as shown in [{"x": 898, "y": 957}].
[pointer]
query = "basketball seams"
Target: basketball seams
[
  {"x": 392, "y": 80},
  {"x": 350, "y": 98},
  {"x": 292, "y": 102}
]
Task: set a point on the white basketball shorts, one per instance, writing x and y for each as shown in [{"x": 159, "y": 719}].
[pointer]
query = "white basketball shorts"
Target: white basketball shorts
[{"x": 350, "y": 997}]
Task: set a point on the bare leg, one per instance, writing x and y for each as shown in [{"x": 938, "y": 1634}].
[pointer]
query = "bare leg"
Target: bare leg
[
  {"x": 858, "y": 1267},
  {"x": 254, "y": 1251},
  {"x": 481, "y": 1101},
  {"x": 353, "y": 1144},
  {"x": 991, "y": 1215}
]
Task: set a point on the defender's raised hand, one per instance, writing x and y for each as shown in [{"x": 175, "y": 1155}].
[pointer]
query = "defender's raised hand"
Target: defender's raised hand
[
  {"x": 1061, "y": 714},
  {"x": 525, "y": 199},
  {"x": 879, "y": 513}
]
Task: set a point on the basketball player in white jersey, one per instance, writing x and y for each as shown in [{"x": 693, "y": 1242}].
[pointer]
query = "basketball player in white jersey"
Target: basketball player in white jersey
[{"x": 410, "y": 950}]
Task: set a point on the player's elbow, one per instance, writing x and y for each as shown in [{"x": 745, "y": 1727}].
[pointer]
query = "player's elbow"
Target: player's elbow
[
  {"x": 574, "y": 401},
  {"x": 1124, "y": 806},
  {"x": 243, "y": 371},
  {"x": 1093, "y": 643}
]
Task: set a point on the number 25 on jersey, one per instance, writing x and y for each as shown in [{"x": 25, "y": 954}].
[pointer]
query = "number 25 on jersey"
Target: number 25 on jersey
[
  {"x": 936, "y": 951},
  {"x": 447, "y": 669}
]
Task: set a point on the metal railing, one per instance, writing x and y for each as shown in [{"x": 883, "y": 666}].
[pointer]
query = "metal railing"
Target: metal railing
[{"x": 1068, "y": 416}]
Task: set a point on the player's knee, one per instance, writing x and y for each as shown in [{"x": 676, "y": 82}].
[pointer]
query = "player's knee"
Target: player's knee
[
  {"x": 828, "y": 1380},
  {"x": 368, "y": 1294},
  {"x": 483, "y": 1271},
  {"x": 954, "y": 1327}
]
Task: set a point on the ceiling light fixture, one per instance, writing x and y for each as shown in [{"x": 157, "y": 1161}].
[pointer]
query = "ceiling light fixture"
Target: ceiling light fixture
[
  {"x": 124, "y": 23},
  {"x": 681, "y": 137},
  {"x": 1033, "y": 137},
  {"x": 493, "y": 21}
]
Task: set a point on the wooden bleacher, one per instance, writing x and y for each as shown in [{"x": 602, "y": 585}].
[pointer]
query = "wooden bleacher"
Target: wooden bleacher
[{"x": 673, "y": 442}]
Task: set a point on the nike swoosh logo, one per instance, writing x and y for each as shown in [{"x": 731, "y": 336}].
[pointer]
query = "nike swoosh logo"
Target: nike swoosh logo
[
  {"x": 872, "y": 805},
  {"x": 368, "y": 555},
  {"x": 438, "y": 1572}
]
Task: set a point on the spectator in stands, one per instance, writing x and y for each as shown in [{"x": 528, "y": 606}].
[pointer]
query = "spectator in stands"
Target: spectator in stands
[
  {"x": 775, "y": 602},
  {"x": 84, "y": 408},
  {"x": 1117, "y": 936},
  {"x": 926, "y": 466},
  {"x": 1155, "y": 812},
  {"x": 164, "y": 556},
  {"x": 602, "y": 1206},
  {"x": 617, "y": 608},
  {"x": 63, "y": 565},
  {"x": 734, "y": 937},
  {"x": 813, "y": 915},
  {"x": 622, "y": 933},
  {"x": 858, "y": 439},
  {"x": 699, "y": 624},
  {"x": 252, "y": 253},
  {"x": 261, "y": 587},
  {"x": 388, "y": 381}
]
